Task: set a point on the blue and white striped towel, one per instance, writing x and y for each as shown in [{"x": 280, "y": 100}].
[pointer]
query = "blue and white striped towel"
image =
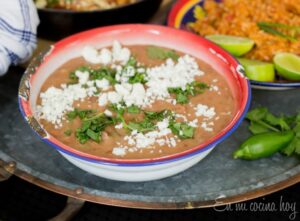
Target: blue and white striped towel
[{"x": 18, "y": 24}]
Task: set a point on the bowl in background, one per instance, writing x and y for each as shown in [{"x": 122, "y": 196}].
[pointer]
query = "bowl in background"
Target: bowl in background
[
  {"x": 182, "y": 13},
  {"x": 56, "y": 24}
]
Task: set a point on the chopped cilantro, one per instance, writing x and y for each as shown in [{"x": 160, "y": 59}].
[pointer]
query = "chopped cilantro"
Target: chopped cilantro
[
  {"x": 131, "y": 62},
  {"x": 143, "y": 126},
  {"x": 68, "y": 132},
  {"x": 148, "y": 124},
  {"x": 151, "y": 115},
  {"x": 137, "y": 78},
  {"x": 103, "y": 73},
  {"x": 92, "y": 127},
  {"x": 72, "y": 114},
  {"x": 95, "y": 74},
  {"x": 93, "y": 135},
  {"x": 192, "y": 89},
  {"x": 182, "y": 98},
  {"x": 133, "y": 109},
  {"x": 79, "y": 113},
  {"x": 182, "y": 129}
]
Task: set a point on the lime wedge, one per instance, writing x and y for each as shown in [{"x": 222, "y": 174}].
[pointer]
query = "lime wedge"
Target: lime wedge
[
  {"x": 234, "y": 45},
  {"x": 258, "y": 70},
  {"x": 287, "y": 65}
]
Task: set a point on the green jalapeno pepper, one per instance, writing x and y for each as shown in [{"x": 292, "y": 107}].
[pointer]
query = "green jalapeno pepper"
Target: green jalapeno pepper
[{"x": 263, "y": 145}]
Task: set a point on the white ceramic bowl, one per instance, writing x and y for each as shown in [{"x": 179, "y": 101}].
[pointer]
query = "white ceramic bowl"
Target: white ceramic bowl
[{"x": 141, "y": 169}]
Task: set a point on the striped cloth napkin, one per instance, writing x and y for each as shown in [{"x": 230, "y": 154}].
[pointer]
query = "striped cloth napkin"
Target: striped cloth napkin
[{"x": 18, "y": 24}]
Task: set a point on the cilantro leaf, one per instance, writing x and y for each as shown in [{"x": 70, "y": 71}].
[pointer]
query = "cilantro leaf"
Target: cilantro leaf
[
  {"x": 79, "y": 113},
  {"x": 297, "y": 118},
  {"x": 143, "y": 126},
  {"x": 103, "y": 73},
  {"x": 290, "y": 149},
  {"x": 93, "y": 135},
  {"x": 148, "y": 124},
  {"x": 131, "y": 62},
  {"x": 296, "y": 129},
  {"x": 182, "y": 130},
  {"x": 192, "y": 89},
  {"x": 92, "y": 126},
  {"x": 158, "y": 53},
  {"x": 182, "y": 98},
  {"x": 137, "y": 78},
  {"x": 72, "y": 115},
  {"x": 68, "y": 132},
  {"x": 297, "y": 146},
  {"x": 133, "y": 109},
  {"x": 277, "y": 121},
  {"x": 151, "y": 115},
  {"x": 257, "y": 114},
  {"x": 95, "y": 74},
  {"x": 256, "y": 128},
  {"x": 264, "y": 118},
  {"x": 181, "y": 95}
]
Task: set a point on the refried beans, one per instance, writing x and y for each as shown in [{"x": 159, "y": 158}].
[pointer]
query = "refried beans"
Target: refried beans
[{"x": 192, "y": 117}]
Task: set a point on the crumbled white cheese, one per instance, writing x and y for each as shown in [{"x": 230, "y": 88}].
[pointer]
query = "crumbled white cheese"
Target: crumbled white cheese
[
  {"x": 146, "y": 140},
  {"x": 102, "y": 100},
  {"x": 119, "y": 151},
  {"x": 137, "y": 95},
  {"x": 108, "y": 113},
  {"x": 193, "y": 123},
  {"x": 91, "y": 91},
  {"x": 106, "y": 56},
  {"x": 205, "y": 111},
  {"x": 123, "y": 89},
  {"x": 172, "y": 142},
  {"x": 83, "y": 77},
  {"x": 170, "y": 75},
  {"x": 163, "y": 124},
  {"x": 91, "y": 55},
  {"x": 159, "y": 79},
  {"x": 141, "y": 70},
  {"x": 102, "y": 84},
  {"x": 214, "y": 88},
  {"x": 181, "y": 116},
  {"x": 119, "y": 126},
  {"x": 55, "y": 102},
  {"x": 114, "y": 97},
  {"x": 120, "y": 54},
  {"x": 131, "y": 94},
  {"x": 204, "y": 125}
]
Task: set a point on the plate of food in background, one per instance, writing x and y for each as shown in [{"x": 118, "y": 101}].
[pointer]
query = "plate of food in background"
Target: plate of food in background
[
  {"x": 263, "y": 35},
  {"x": 61, "y": 18}
]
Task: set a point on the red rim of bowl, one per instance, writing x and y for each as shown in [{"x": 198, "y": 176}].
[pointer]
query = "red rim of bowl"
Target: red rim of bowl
[{"x": 242, "y": 82}]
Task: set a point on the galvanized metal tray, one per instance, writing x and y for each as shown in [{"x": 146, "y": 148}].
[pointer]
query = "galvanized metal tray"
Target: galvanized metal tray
[{"x": 216, "y": 180}]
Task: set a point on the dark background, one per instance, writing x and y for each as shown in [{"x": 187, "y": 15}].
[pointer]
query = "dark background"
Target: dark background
[{"x": 20, "y": 200}]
